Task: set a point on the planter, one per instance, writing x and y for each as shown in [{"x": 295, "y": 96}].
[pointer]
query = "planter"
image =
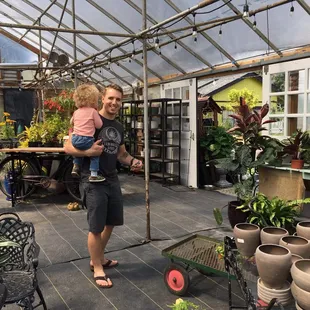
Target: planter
[
  {"x": 222, "y": 182},
  {"x": 236, "y": 216},
  {"x": 297, "y": 245},
  {"x": 297, "y": 163},
  {"x": 272, "y": 235},
  {"x": 295, "y": 258},
  {"x": 273, "y": 258},
  {"x": 301, "y": 296},
  {"x": 247, "y": 238},
  {"x": 303, "y": 229},
  {"x": 35, "y": 144},
  {"x": 300, "y": 272},
  {"x": 8, "y": 143}
]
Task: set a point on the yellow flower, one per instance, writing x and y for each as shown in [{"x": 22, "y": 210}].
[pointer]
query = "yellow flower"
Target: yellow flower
[
  {"x": 6, "y": 114},
  {"x": 178, "y": 301},
  {"x": 10, "y": 121},
  {"x": 2, "y": 124}
]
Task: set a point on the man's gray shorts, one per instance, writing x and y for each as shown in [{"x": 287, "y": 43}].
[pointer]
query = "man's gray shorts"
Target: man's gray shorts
[{"x": 104, "y": 203}]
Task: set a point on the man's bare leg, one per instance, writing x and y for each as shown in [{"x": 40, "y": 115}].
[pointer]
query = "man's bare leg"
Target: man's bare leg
[
  {"x": 95, "y": 251},
  {"x": 105, "y": 237}
]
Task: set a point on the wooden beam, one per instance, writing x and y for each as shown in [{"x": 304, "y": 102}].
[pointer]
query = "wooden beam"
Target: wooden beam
[
  {"x": 251, "y": 64},
  {"x": 23, "y": 43}
]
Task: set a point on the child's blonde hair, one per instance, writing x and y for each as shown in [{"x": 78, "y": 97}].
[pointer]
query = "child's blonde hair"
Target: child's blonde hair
[{"x": 86, "y": 95}]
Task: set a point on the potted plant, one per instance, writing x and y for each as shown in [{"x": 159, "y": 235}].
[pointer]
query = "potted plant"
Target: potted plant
[
  {"x": 243, "y": 162},
  {"x": 181, "y": 304},
  {"x": 296, "y": 146},
  {"x": 215, "y": 144},
  {"x": 276, "y": 212},
  {"x": 7, "y": 131}
]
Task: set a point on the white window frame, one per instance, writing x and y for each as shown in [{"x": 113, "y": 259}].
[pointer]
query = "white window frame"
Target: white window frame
[{"x": 287, "y": 67}]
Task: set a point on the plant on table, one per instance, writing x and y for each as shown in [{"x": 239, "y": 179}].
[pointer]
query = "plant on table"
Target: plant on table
[
  {"x": 7, "y": 130},
  {"x": 62, "y": 103},
  {"x": 181, "y": 304}
]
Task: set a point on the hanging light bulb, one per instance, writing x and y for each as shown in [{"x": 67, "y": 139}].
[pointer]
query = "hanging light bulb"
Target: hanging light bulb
[
  {"x": 220, "y": 31},
  {"x": 175, "y": 45},
  {"x": 254, "y": 23},
  {"x": 133, "y": 54},
  {"x": 292, "y": 9},
  {"x": 194, "y": 33},
  {"x": 246, "y": 9},
  {"x": 214, "y": 83},
  {"x": 157, "y": 43}
]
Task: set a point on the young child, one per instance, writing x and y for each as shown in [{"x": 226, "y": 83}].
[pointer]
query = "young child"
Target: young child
[{"x": 85, "y": 120}]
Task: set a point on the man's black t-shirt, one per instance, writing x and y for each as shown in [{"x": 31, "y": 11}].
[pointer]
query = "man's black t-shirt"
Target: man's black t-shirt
[{"x": 112, "y": 136}]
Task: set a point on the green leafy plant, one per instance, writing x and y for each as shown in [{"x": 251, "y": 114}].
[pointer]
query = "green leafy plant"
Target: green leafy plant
[
  {"x": 297, "y": 145},
  {"x": 220, "y": 250},
  {"x": 272, "y": 212},
  {"x": 216, "y": 143},
  {"x": 4, "y": 257},
  {"x": 181, "y": 304},
  {"x": 234, "y": 97}
]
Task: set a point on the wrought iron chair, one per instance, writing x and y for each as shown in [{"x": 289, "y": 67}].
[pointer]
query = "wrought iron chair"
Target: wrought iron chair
[{"x": 19, "y": 272}]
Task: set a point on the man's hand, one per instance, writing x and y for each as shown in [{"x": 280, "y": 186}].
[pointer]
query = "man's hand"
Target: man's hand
[
  {"x": 136, "y": 166},
  {"x": 96, "y": 149}
]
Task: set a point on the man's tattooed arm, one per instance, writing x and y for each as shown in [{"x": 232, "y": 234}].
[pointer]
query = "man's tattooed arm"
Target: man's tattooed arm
[{"x": 123, "y": 156}]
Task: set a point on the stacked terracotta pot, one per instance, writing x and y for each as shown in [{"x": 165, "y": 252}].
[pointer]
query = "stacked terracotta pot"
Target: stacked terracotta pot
[{"x": 300, "y": 271}]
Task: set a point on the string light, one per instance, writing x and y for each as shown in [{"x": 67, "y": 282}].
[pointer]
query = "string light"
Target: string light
[
  {"x": 292, "y": 9},
  {"x": 133, "y": 50},
  {"x": 220, "y": 31},
  {"x": 175, "y": 45},
  {"x": 254, "y": 23},
  {"x": 246, "y": 9},
  {"x": 194, "y": 33}
]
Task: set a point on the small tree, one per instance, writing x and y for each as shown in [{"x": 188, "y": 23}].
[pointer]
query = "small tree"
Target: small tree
[{"x": 248, "y": 95}]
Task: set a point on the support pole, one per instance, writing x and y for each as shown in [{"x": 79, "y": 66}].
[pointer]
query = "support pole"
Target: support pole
[
  {"x": 146, "y": 128},
  {"x": 74, "y": 44}
]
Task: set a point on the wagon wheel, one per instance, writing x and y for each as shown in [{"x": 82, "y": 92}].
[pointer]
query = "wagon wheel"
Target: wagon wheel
[{"x": 176, "y": 279}]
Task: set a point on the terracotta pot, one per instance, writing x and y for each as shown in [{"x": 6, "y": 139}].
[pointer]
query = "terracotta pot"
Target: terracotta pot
[
  {"x": 272, "y": 235},
  {"x": 247, "y": 238},
  {"x": 303, "y": 229},
  {"x": 301, "y": 296},
  {"x": 266, "y": 294},
  {"x": 295, "y": 258},
  {"x": 297, "y": 245},
  {"x": 297, "y": 163},
  {"x": 276, "y": 258},
  {"x": 300, "y": 272},
  {"x": 236, "y": 216}
]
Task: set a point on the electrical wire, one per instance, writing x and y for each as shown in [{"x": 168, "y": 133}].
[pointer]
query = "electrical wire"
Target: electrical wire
[{"x": 211, "y": 11}]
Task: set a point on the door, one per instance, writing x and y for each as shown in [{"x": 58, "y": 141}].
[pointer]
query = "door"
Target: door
[{"x": 187, "y": 91}]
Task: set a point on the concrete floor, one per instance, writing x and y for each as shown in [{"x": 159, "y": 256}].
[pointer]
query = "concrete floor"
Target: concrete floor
[{"x": 64, "y": 274}]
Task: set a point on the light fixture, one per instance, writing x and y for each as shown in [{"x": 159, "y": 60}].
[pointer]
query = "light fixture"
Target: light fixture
[
  {"x": 220, "y": 31},
  {"x": 246, "y": 9},
  {"x": 254, "y": 23},
  {"x": 175, "y": 45},
  {"x": 133, "y": 50},
  {"x": 214, "y": 82},
  {"x": 194, "y": 33},
  {"x": 157, "y": 43},
  {"x": 292, "y": 9}
]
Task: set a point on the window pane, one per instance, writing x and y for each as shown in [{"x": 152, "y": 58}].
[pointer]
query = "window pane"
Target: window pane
[
  {"x": 277, "y": 82},
  {"x": 308, "y": 78},
  {"x": 296, "y": 80},
  {"x": 308, "y": 103},
  {"x": 176, "y": 93},
  {"x": 295, "y": 104},
  {"x": 185, "y": 93},
  {"x": 276, "y": 104},
  {"x": 277, "y": 128},
  {"x": 293, "y": 123},
  {"x": 168, "y": 93},
  {"x": 308, "y": 123}
]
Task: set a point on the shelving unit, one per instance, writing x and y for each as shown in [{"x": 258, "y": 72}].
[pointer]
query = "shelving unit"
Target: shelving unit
[{"x": 165, "y": 121}]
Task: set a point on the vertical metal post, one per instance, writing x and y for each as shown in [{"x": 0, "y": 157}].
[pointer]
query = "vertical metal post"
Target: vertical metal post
[
  {"x": 41, "y": 74},
  {"x": 146, "y": 129},
  {"x": 74, "y": 43}
]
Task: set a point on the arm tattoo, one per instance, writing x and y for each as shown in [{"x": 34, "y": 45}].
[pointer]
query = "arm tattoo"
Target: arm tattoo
[{"x": 124, "y": 155}]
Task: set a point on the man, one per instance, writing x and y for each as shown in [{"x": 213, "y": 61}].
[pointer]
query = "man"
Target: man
[{"x": 104, "y": 200}]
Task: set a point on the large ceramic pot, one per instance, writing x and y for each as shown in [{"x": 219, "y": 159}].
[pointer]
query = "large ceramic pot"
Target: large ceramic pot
[
  {"x": 295, "y": 258},
  {"x": 301, "y": 296},
  {"x": 272, "y": 235},
  {"x": 300, "y": 272},
  {"x": 297, "y": 245},
  {"x": 236, "y": 216},
  {"x": 275, "y": 258},
  {"x": 303, "y": 229},
  {"x": 247, "y": 238}
]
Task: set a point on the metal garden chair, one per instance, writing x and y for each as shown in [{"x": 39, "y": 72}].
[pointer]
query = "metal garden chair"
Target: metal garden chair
[{"x": 18, "y": 273}]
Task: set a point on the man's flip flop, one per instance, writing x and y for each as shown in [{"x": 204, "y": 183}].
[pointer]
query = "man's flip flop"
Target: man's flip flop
[
  {"x": 106, "y": 265},
  {"x": 103, "y": 278}
]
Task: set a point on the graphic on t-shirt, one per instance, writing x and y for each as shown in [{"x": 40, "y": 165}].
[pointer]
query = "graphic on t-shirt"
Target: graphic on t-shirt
[{"x": 111, "y": 139}]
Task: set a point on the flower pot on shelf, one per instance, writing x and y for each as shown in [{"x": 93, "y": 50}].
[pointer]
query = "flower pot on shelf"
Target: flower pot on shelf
[
  {"x": 297, "y": 245},
  {"x": 272, "y": 235},
  {"x": 303, "y": 229},
  {"x": 34, "y": 144},
  {"x": 297, "y": 163},
  {"x": 301, "y": 296},
  {"x": 222, "y": 182}
]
